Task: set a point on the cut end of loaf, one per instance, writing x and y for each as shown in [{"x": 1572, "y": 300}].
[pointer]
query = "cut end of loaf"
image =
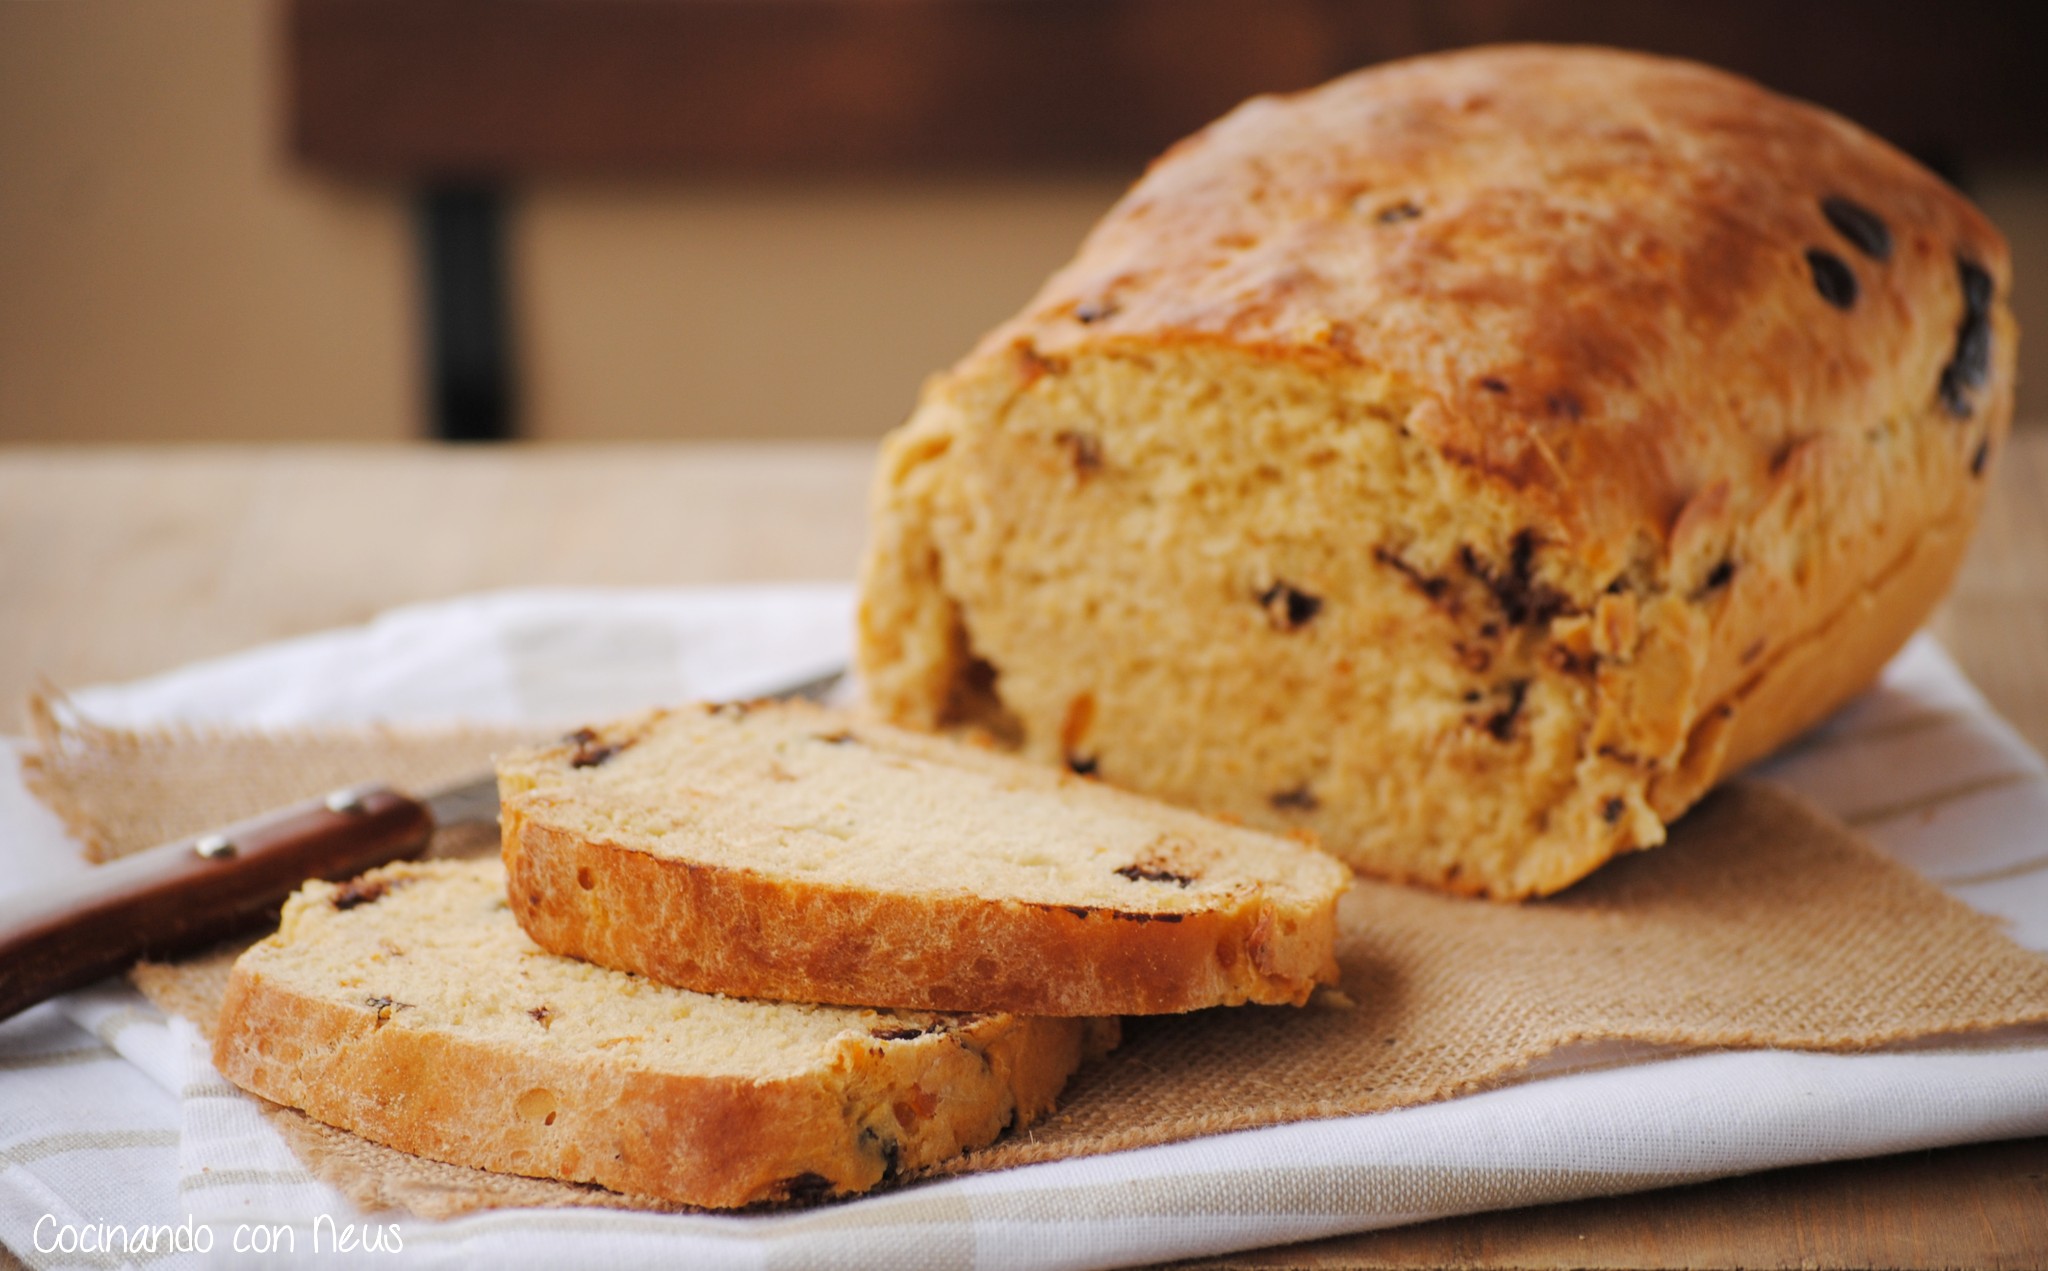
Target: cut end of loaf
[{"x": 1265, "y": 597}]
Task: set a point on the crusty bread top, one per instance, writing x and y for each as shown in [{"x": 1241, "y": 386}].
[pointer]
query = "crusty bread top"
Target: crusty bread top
[
  {"x": 793, "y": 791},
  {"x": 1579, "y": 265}
]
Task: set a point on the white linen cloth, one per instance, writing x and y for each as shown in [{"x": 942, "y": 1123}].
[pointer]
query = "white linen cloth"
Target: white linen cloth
[{"x": 111, "y": 1116}]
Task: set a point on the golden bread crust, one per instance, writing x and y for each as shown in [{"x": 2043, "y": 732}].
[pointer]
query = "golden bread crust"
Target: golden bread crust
[{"x": 1602, "y": 299}]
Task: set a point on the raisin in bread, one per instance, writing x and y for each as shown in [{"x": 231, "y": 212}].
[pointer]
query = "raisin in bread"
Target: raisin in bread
[
  {"x": 408, "y": 1007},
  {"x": 1471, "y": 460},
  {"x": 782, "y": 850}
]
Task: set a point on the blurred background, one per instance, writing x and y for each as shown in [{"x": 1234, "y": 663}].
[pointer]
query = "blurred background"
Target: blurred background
[{"x": 640, "y": 219}]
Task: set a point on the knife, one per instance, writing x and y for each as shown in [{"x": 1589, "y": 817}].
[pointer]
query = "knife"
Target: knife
[{"x": 182, "y": 896}]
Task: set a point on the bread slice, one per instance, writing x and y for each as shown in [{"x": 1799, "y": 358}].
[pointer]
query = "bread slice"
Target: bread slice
[
  {"x": 782, "y": 850},
  {"x": 407, "y": 1007}
]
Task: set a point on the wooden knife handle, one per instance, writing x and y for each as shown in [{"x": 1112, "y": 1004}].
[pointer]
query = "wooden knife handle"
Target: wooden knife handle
[{"x": 185, "y": 895}]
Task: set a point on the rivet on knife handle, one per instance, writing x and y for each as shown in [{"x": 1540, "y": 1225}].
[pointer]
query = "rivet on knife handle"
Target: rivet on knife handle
[{"x": 185, "y": 895}]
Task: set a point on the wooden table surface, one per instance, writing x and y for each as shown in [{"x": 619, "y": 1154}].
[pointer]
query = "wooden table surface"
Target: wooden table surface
[{"x": 118, "y": 563}]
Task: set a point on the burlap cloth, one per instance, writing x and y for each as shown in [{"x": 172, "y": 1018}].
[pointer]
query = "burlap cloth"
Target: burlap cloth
[{"x": 1762, "y": 923}]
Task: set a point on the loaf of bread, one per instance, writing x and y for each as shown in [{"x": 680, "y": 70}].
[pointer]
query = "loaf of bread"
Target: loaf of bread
[
  {"x": 782, "y": 850},
  {"x": 407, "y": 1007},
  {"x": 1471, "y": 460}
]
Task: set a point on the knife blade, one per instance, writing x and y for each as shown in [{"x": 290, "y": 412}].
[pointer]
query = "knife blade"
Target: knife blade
[{"x": 182, "y": 896}]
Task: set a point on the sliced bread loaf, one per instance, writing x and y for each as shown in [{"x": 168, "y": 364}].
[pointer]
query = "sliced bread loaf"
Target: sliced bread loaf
[
  {"x": 1472, "y": 460},
  {"x": 407, "y": 1007},
  {"x": 785, "y": 851}
]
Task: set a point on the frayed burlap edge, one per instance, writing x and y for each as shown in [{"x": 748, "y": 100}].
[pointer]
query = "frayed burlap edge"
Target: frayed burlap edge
[{"x": 118, "y": 790}]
